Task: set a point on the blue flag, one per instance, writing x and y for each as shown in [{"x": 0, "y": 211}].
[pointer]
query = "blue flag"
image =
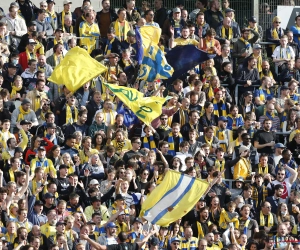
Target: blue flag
[
  {"x": 154, "y": 65},
  {"x": 139, "y": 43},
  {"x": 185, "y": 58}
]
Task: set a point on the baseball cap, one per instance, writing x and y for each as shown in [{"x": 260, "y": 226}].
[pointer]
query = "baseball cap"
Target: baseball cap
[
  {"x": 62, "y": 166},
  {"x": 175, "y": 10},
  {"x": 119, "y": 197},
  {"x": 50, "y": 1},
  {"x": 19, "y": 150},
  {"x": 11, "y": 65},
  {"x": 243, "y": 149},
  {"x": 48, "y": 195},
  {"x": 91, "y": 223},
  {"x": 60, "y": 223},
  {"x": 25, "y": 122},
  {"x": 229, "y": 10},
  {"x": 175, "y": 239},
  {"x": 279, "y": 145},
  {"x": 59, "y": 29},
  {"x": 66, "y": 2},
  {"x": 269, "y": 98},
  {"x": 32, "y": 23},
  {"x": 111, "y": 225},
  {"x": 139, "y": 220},
  {"x": 25, "y": 101},
  {"x": 96, "y": 198},
  {"x": 154, "y": 241},
  {"x": 31, "y": 41},
  {"x": 241, "y": 179},
  {"x": 252, "y": 19},
  {"x": 256, "y": 46},
  {"x": 247, "y": 93},
  {"x": 284, "y": 87},
  {"x": 38, "y": 203},
  {"x": 51, "y": 125},
  {"x": 223, "y": 118},
  {"x": 41, "y": 148},
  {"x": 131, "y": 33},
  {"x": 94, "y": 182},
  {"x": 216, "y": 232}
]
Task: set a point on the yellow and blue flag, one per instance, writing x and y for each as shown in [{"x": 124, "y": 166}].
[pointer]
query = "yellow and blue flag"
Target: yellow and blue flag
[
  {"x": 76, "y": 69},
  {"x": 154, "y": 65},
  {"x": 173, "y": 198},
  {"x": 145, "y": 108},
  {"x": 150, "y": 35}
]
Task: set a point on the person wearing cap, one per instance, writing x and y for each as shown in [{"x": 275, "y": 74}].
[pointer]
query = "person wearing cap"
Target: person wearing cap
[
  {"x": 28, "y": 54},
  {"x": 42, "y": 27},
  {"x": 24, "y": 112},
  {"x": 89, "y": 29},
  {"x": 223, "y": 134},
  {"x": 243, "y": 167},
  {"x": 51, "y": 12},
  {"x": 176, "y": 22},
  {"x": 137, "y": 230},
  {"x": 66, "y": 11},
  {"x": 35, "y": 209},
  {"x": 97, "y": 207},
  {"x": 24, "y": 39},
  {"x": 42, "y": 161},
  {"x": 110, "y": 237},
  {"x": 15, "y": 24},
  {"x": 130, "y": 43},
  {"x": 252, "y": 24},
  {"x": 227, "y": 33},
  {"x": 121, "y": 21}
]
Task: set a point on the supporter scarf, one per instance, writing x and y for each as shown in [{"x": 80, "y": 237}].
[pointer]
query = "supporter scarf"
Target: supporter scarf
[
  {"x": 220, "y": 165},
  {"x": 229, "y": 33},
  {"x": 30, "y": 55},
  {"x": 112, "y": 118},
  {"x": 108, "y": 46},
  {"x": 287, "y": 53},
  {"x": 15, "y": 90},
  {"x": 210, "y": 93},
  {"x": 208, "y": 141},
  {"x": 275, "y": 34},
  {"x": 11, "y": 175},
  {"x": 34, "y": 188},
  {"x": 121, "y": 30},
  {"x": 37, "y": 102},
  {"x": 221, "y": 134},
  {"x": 224, "y": 220},
  {"x": 63, "y": 13},
  {"x": 216, "y": 109},
  {"x": 53, "y": 15},
  {"x": 251, "y": 34},
  {"x": 22, "y": 113},
  {"x": 271, "y": 117},
  {"x": 245, "y": 229},
  {"x": 209, "y": 44},
  {"x": 247, "y": 44},
  {"x": 283, "y": 119},
  {"x": 182, "y": 116},
  {"x": 200, "y": 230},
  {"x": 120, "y": 146},
  {"x": 41, "y": 163},
  {"x": 10, "y": 237},
  {"x": 56, "y": 42},
  {"x": 259, "y": 63},
  {"x": 262, "y": 220},
  {"x": 171, "y": 143},
  {"x": 262, "y": 94},
  {"x": 170, "y": 118},
  {"x": 69, "y": 114},
  {"x": 165, "y": 128},
  {"x": 262, "y": 170},
  {"x": 255, "y": 194},
  {"x": 151, "y": 145}
]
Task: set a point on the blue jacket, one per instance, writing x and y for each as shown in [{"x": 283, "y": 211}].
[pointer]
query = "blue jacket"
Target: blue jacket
[
  {"x": 33, "y": 217},
  {"x": 239, "y": 121},
  {"x": 129, "y": 117},
  {"x": 296, "y": 33}
]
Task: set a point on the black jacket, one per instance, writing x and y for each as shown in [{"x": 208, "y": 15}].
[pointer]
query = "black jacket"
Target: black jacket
[
  {"x": 92, "y": 108},
  {"x": 160, "y": 17}
]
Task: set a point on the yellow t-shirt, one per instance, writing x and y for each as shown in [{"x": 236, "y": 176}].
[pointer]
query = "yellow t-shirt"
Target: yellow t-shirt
[{"x": 182, "y": 41}]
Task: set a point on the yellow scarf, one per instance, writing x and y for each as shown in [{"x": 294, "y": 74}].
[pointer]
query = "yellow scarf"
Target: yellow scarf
[
  {"x": 30, "y": 55},
  {"x": 69, "y": 116},
  {"x": 262, "y": 220},
  {"x": 262, "y": 170},
  {"x": 261, "y": 93},
  {"x": 22, "y": 113},
  {"x": 209, "y": 142},
  {"x": 200, "y": 230},
  {"x": 216, "y": 109},
  {"x": 39, "y": 48},
  {"x": 259, "y": 63},
  {"x": 229, "y": 33},
  {"x": 15, "y": 90},
  {"x": 220, "y": 165},
  {"x": 181, "y": 117},
  {"x": 224, "y": 220},
  {"x": 255, "y": 28},
  {"x": 209, "y": 44},
  {"x": 37, "y": 101},
  {"x": 63, "y": 13},
  {"x": 210, "y": 93},
  {"x": 56, "y": 42},
  {"x": 121, "y": 31},
  {"x": 221, "y": 136},
  {"x": 275, "y": 35},
  {"x": 112, "y": 118},
  {"x": 10, "y": 238},
  {"x": 244, "y": 41},
  {"x": 34, "y": 187},
  {"x": 11, "y": 175}
]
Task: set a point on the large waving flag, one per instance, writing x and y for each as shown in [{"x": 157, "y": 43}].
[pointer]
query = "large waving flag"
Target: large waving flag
[
  {"x": 173, "y": 198},
  {"x": 76, "y": 69},
  {"x": 154, "y": 65},
  {"x": 184, "y": 58},
  {"x": 145, "y": 108}
]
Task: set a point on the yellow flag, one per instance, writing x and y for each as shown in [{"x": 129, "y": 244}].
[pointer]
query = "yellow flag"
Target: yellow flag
[
  {"x": 145, "y": 108},
  {"x": 150, "y": 34},
  {"x": 173, "y": 198},
  {"x": 76, "y": 69}
]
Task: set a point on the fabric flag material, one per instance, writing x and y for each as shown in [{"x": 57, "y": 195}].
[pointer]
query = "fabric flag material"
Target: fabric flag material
[
  {"x": 173, "y": 198},
  {"x": 145, "y": 108},
  {"x": 139, "y": 42},
  {"x": 150, "y": 35},
  {"x": 76, "y": 69},
  {"x": 154, "y": 65},
  {"x": 184, "y": 58}
]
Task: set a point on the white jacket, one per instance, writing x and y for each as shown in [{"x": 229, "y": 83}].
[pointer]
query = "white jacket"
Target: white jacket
[{"x": 18, "y": 25}]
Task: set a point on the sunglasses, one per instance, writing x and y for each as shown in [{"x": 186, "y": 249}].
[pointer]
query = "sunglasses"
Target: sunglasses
[
  {"x": 277, "y": 22},
  {"x": 145, "y": 173},
  {"x": 138, "y": 142},
  {"x": 164, "y": 118}
]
